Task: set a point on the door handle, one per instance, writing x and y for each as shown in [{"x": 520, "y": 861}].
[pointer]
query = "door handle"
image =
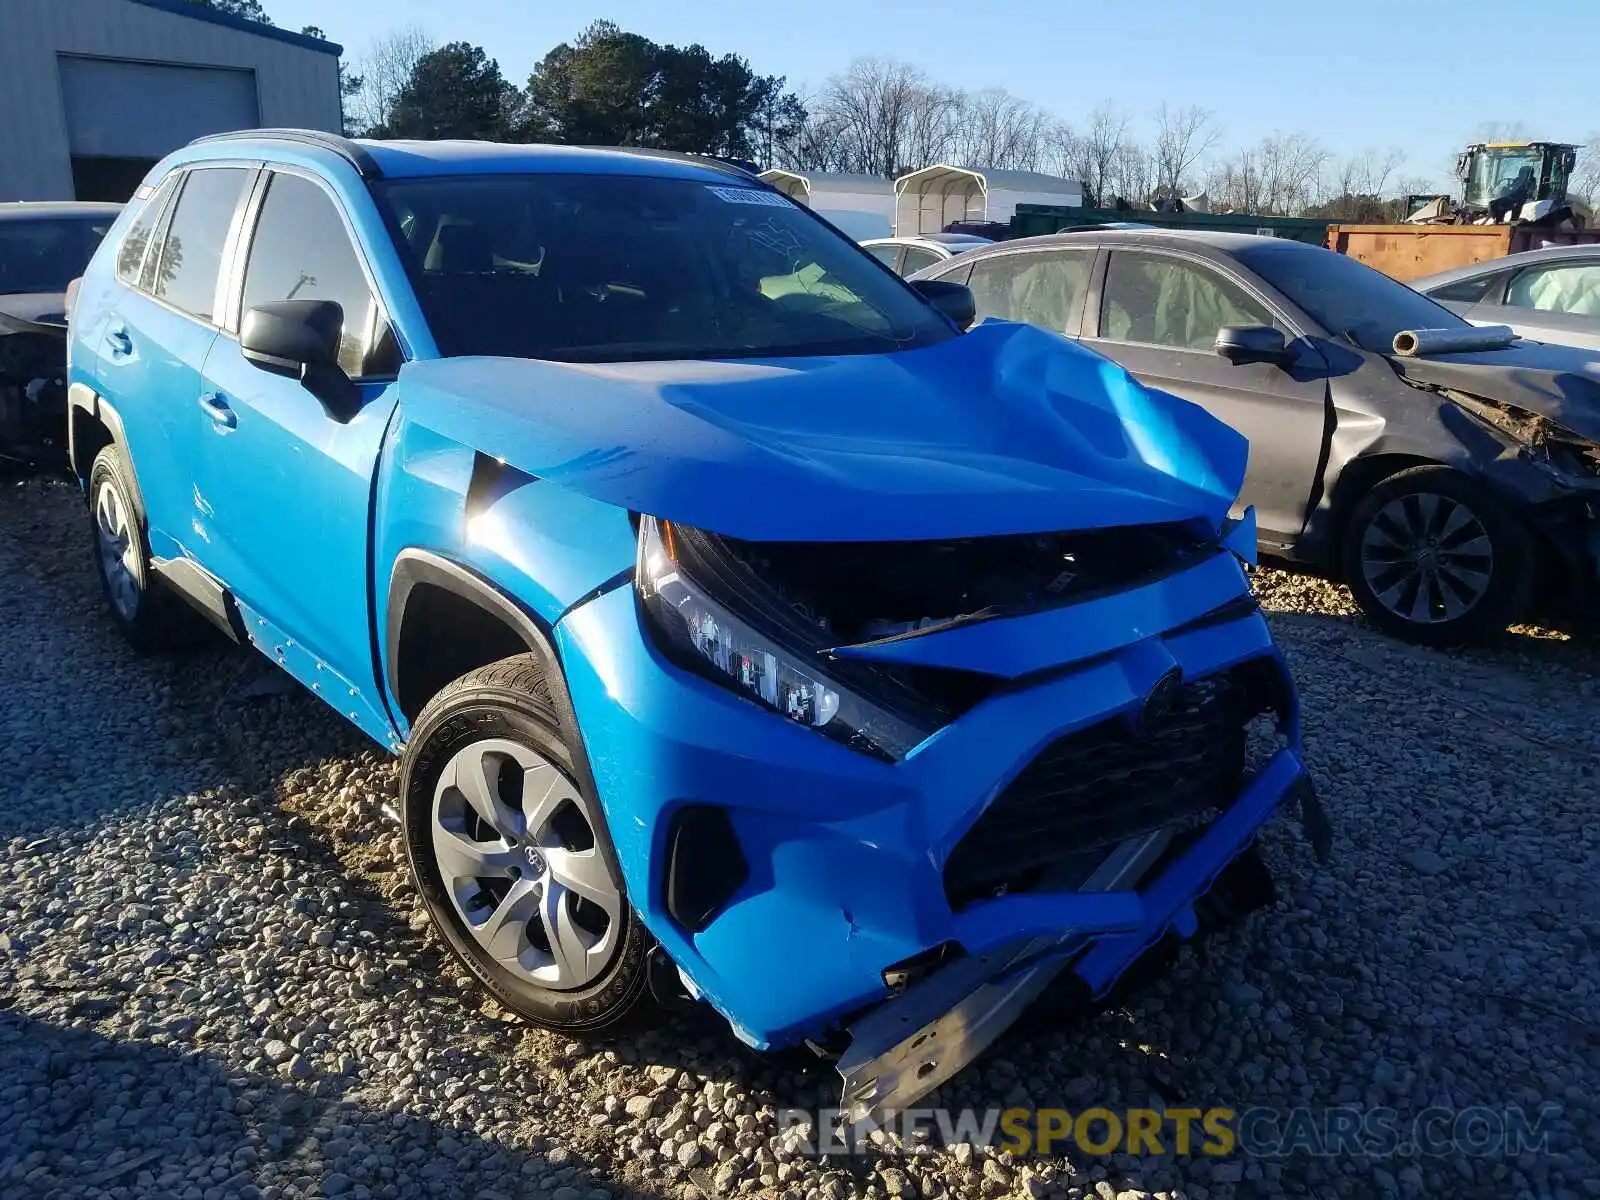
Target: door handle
[
  {"x": 215, "y": 407},
  {"x": 121, "y": 343}
]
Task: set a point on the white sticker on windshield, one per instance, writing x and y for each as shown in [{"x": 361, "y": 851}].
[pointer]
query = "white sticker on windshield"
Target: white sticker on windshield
[{"x": 744, "y": 195}]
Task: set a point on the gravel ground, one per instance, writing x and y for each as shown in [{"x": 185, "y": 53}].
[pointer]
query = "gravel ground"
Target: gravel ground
[{"x": 215, "y": 980}]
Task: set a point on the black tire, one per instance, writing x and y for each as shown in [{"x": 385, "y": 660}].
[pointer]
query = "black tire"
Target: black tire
[
  {"x": 1511, "y": 562},
  {"x": 510, "y": 700},
  {"x": 144, "y": 614}
]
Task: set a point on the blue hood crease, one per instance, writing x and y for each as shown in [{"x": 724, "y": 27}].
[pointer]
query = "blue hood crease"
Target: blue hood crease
[{"x": 1006, "y": 429}]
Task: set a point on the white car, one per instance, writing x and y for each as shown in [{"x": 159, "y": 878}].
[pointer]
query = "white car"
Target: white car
[
  {"x": 1548, "y": 295},
  {"x": 908, "y": 255}
]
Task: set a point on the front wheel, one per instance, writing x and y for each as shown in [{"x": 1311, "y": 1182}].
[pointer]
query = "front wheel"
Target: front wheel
[
  {"x": 510, "y": 855},
  {"x": 1434, "y": 558}
]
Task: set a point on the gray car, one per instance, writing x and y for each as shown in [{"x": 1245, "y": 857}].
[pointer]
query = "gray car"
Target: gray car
[
  {"x": 1442, "y": 487},
  {"x": 1549, "y": 295}
]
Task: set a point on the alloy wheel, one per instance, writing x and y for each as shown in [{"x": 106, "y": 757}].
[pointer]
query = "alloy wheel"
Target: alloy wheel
[
  {"x": 1427, "y": 558},
  {"x": 514, "y": 842},
  {"x": 118, "y": 549}
]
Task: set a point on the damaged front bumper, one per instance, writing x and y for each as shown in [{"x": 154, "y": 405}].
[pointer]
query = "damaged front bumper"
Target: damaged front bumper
[
  {"x": 915, "y": 1042},
  {"x": 791, "y": 878}
]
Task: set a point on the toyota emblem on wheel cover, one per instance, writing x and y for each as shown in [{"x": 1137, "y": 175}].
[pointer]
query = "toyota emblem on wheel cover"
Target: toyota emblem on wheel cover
[{"x": 535, "y": 860}]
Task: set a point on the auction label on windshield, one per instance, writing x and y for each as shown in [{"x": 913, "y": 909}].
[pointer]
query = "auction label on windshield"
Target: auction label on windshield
[{"x": 743, "y": 195}]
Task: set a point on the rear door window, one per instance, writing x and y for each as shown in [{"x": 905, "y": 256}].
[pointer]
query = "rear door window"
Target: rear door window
[
  {"x": 1041, "y": 287},
  {"x": 191, "y": 254},
  {"x": 302, "y": 251}
]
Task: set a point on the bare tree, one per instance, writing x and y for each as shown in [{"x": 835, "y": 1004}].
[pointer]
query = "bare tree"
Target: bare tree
[
  {"x": 1132, "y": 174},
  {"x": 385, "y": 69},
  {"x": 1091, "y": 155},
  {"x": 1500, "y": 131},
  {"x": 998, "y": 129},
  {"x": 879, "y": 115},
  {"x": 1183, "y": 137},
  {"x": 1366, "y": 172}
]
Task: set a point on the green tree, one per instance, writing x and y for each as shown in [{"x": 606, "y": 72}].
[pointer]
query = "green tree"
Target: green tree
[
  {"x": 611, "y": 87},
  {"x": 456, "y": 91},
  {"x": 250, "y": 10}
]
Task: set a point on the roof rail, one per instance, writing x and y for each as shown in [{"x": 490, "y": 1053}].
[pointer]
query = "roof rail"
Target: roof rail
[
  {"x": 366, "y": 166},
  {"x": 715, "y": 162}
]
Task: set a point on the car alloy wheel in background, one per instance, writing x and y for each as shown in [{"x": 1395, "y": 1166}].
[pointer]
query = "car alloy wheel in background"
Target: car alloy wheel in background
[
  {"x": 1427, "y": 558},
  {"x": 1433, "y": 557}
]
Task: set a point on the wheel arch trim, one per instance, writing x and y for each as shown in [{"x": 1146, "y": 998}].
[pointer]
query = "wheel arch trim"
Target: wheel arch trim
[
  {"x": 414, "y": 566},
  {"x": 83, "y": 402}
]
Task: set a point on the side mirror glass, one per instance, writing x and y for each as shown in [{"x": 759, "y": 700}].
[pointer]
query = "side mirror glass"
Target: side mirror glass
[
  {"x": 954, "y": 300},
  {"x": 1241, "y": 344},
  {"x": 300, "y": 339}
]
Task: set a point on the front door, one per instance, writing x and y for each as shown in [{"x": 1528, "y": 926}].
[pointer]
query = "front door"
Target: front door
[
  {"x": 286, "y": 488},
  {"x": 1158, "y": 317}
]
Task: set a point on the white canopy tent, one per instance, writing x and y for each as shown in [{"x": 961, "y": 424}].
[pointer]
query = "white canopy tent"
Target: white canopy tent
[
  {"x": 862, "y": 206},
  {"x": 931, "y": 198}
]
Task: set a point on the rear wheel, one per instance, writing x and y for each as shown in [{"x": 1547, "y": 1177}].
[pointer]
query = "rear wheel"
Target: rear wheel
[
  {"x": 140, "y": 611},
  {"x": 510, "y": 854},
  {"x": 1434, "y": 558}
]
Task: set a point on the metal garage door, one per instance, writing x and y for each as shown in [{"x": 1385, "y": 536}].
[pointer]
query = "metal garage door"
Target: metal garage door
[{"x": 122, "y": 116}]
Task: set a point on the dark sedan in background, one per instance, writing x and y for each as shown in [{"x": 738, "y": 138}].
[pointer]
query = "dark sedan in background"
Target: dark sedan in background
[
  {"x": 43, "y": 248},
  {"x": 1443, "y": 487}
]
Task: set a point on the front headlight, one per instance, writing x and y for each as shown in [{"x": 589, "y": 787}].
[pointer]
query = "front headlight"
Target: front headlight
[{"x": 704, "y": 634}]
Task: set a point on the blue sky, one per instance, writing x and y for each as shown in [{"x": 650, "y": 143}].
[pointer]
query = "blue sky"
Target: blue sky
[{"x": 1416, "y": 76}]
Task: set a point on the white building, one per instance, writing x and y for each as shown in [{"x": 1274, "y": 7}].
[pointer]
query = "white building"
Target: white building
[
  {"x": 861, "y": 206},
  {"x": 93, "y": 92},
  {"x": 932, "y": 198}
]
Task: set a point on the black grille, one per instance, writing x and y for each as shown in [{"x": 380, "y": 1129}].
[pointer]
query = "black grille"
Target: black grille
[{"x": 1097, "y": 787}]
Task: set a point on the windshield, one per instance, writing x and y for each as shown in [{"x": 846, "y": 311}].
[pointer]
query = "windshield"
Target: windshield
[
  {"x": 1346, "y": 297},
  {"x": 45, "y": 254},
  {"x": 1501, "y": 174},
  {"x": 609, "y": 268}
]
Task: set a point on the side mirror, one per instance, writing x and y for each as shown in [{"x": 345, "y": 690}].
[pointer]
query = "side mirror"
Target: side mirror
[
  {"x": 954, "y": 300},
  {"x": 300, "y": 339},
  {"x": 1241, "y": 344}
]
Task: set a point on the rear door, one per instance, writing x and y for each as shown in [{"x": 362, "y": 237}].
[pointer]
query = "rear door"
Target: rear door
[
  {"x": 286, "y": 490},
  {"x": 1158, "y": 314},
  {"x": 1551, "y": 302},
  {"x": 155, "y": 335}
]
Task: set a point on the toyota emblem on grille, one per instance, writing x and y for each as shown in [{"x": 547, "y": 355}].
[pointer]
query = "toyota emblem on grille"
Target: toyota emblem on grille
[{"x": 1161, "y": 698}]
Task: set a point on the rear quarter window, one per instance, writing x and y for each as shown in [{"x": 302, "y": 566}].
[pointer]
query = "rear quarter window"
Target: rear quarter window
[{"x": 131, "y": 253}]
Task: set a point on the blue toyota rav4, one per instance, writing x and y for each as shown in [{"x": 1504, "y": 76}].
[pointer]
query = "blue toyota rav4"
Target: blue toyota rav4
[{"x": 743, "y": 622}]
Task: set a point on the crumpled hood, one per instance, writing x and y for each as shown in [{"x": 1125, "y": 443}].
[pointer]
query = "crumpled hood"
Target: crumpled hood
[
  {"x": 1558, "y": 382},
  {"x": 1006, "y": 429},
  {"x": 33, "y": 312}
]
